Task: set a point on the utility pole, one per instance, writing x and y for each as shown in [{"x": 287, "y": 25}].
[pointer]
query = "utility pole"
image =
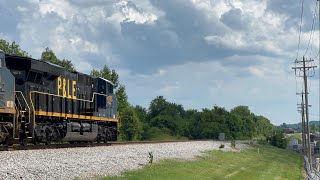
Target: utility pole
[
  {"x": 319, "y": 58},
  {"x": 303, "y": 123},
  {"x": 306, "y": 69}
]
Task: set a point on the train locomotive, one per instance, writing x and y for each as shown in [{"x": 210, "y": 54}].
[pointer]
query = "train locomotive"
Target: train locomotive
[{"x": 42, "y": 102}]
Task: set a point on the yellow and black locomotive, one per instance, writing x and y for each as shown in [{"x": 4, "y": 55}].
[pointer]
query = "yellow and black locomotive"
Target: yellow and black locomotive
[{"x": 41, "y": 102}]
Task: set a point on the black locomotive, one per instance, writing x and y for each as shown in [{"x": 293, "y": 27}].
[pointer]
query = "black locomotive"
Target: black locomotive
[{"x": 41, "y": 102}]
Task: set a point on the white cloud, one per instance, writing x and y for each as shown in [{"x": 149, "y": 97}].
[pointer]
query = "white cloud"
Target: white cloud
[
  {"x": 62, "y": 8},
  {"x": 196, "y": 52},
  {"x": 257, "y": 71},
  {"x": 130, "y": 13},
  {"x": 199, "y": 85},
  {"x": 84, "y": 45}
]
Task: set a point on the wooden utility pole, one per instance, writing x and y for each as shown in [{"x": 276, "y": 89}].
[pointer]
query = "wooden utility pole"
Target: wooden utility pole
[
  {"x": 305, "y": 69},
  {"x": 303, "y": 123}
]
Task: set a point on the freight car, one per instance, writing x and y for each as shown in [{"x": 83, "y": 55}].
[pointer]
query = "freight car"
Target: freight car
[{"x": 41, "y": 102}]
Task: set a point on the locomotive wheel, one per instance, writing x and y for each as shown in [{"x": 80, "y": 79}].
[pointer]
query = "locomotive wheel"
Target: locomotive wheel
[
  {"x": 24, "y": 142},
  {"x": 36, "y": 141},
  {"x": 7, "y": 143},
  {"x": 48, "y": 137},
  {"x": 48, "y": 140},
  {"x": 99, "y": 140}
]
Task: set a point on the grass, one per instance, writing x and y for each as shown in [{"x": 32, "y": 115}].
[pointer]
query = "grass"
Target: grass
[
  {"x": 269, "y": 163},
  {"x": 295, "y": 136}
]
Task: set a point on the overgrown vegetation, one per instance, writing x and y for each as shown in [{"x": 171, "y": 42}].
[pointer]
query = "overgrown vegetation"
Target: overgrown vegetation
[
  {"x": 170, "y": 119},
  {"x": 268, "y": 163},
  {"x": 12, "y": 48},
  {"x": 278, "y": 139},
  {"x": 164, "y": 120},
  {"x": 49, "y": 56}
]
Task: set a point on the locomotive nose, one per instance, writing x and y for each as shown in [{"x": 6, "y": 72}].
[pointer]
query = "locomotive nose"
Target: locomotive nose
[{"x": 6, "y": 86}]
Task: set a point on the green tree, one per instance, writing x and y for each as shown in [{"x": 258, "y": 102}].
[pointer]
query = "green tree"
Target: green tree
[
  {"x": 278, "y": 139},
  {"x": 12, "y": 49},
  {"x": 157, "y": 106},
  {"x": 131, "y": 127},
  {"x": 141, "y": 112},
  {"x": 122, "y": 99},
  {"x": 142, "y": 115},
  {"x": 163, "y": 114},
  {"x": 242, "y": 111},
  {"x": 235, "y": 126},
  {"x": 313, "y": 128},
  {"x": 264, "y": 126},
  {"x": 248, "y": 129},
  {"x": 49, "y": 56}
]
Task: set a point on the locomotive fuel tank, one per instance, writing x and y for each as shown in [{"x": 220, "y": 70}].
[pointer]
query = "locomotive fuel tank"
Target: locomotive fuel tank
[
  {"x": 75, "y": 127},
  {"x": 86, "y": 127},
  {"x": 81, "y": 132}
]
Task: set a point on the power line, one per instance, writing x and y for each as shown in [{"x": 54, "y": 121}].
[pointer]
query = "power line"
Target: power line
[
  {"x": 301, "y": 15},
  {"x": 312, "y": 29},
  {"x": 302, "y": 2}
]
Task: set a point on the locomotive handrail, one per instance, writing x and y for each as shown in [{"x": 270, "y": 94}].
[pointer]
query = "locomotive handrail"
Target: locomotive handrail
[
  {"x": 45, "y": 93},
  {"x": 18, "y": 102},
  {"x": 26, "y": 104}
]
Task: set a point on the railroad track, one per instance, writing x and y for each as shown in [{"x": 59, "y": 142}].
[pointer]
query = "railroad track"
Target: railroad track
[{"x": 77, "y": 145}]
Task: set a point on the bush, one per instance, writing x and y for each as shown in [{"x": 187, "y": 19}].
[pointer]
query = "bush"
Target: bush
[
  {"x": 131, "y": 128},
  {"x": 221, "y": 146},
  {"x": 262, "y": 141},
  {"x": 278, "y": 140}
]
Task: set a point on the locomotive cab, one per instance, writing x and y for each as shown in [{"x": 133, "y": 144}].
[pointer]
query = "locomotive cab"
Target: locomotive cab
[
  {"x": 106, "y": 99},
  {"x": 7, "y": 108}
]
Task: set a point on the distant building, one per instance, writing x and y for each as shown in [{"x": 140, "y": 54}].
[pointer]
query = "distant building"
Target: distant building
[
  {"x": 294, "y": 145},
  {"x": 314, "y": 137},
  {"x": 288, "y": 130}
]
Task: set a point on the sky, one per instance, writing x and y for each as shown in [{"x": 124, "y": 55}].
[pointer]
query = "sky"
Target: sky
[{"x": 198, "y": 53}]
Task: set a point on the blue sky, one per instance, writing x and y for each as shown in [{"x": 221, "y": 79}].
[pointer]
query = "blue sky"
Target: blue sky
[{"x": 198, "y": 53}]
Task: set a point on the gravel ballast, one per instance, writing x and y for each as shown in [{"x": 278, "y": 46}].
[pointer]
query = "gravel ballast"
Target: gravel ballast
[{"x": 91, "y": 162}]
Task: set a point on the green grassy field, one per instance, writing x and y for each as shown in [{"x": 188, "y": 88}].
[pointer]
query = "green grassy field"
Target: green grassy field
[{"x": 269, "y": 163}]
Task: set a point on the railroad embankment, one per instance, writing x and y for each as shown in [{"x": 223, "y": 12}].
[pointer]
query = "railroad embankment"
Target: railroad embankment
[{"x": 257, "y": 162}]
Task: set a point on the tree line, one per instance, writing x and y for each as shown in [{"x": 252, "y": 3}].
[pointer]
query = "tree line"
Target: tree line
[
  {"x": 164, "y": 120},
  {"x": 171, "y": 120}
]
